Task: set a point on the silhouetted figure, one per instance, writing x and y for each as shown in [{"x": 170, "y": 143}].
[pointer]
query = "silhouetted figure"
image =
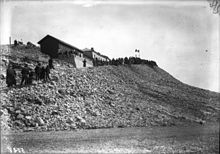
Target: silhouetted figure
[
  {"x": 130, "y": 61},
  {"x": 24, "y": 74},
  {"x": 15, "y": 42},
  {"x": 43, "y": 72},
  {"x": 94, "y": 63},
  {"x": 50, "y": 62},
  {"x": 47, "y": 73},
  {"x": 113, "y": 61},
  {"x": 38, "y": 71},
  {"x": 84, "y": 63},
  {"x": 126, "y": 61},
  {"x": 30, "y": 77},
  {"x": 10, "y": 76}
]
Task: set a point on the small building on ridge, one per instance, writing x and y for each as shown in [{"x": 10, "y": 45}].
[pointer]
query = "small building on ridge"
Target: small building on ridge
[{"x": 95, "y": 55}]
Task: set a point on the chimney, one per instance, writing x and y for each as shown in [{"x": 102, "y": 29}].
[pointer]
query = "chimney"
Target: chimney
[{"x": 92, "y": 48}]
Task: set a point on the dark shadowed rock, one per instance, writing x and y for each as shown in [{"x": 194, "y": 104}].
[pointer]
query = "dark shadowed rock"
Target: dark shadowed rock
[
  {"x": 73, "y": 126},
  {"x": 19, "y": 123},
  {"x": 55, "y": 112},
  {"x": 81, "y": 120},
  {"x": 70, "y": 120},
  {"x": 61, "y": 91},
  {"x": 2, "y": 76}
]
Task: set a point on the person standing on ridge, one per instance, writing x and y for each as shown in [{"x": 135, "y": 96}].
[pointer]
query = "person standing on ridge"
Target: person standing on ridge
[
  {"x": 43, "y": 72},
  {"x": 38, "y": 71},
  {"x": 10, "y": 76},
  {"x": 30, "y": 77},
  {"x": 47, "y": 73},
  {"x": 24, "y": 74},
  {"x": 50, "y": 63},
  {"x": 84, "y": 63}
]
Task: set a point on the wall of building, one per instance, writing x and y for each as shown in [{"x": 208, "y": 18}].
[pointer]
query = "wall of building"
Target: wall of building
[
  {"x": 69, "y": 54},
  {"x": 73, "y": 56},
  {"x": 88, "y": 53},
  {"x": 99, "y": 57},
  {"x": 62, "y": 49},
  {"x": 69, "y": 59},
  {"x": 79, "y": 62},
  {"x": 76, "y": 60},
  {"x": 89, "y": 63},
  {"x": 49, "y": 46},
  {"x": 67, "y": 50},
  {"x": 95, "y": 55}
]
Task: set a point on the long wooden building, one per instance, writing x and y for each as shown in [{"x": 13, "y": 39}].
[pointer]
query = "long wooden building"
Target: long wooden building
[
  {"x": 95, "y": 55},
  {"x": 57, "y": 48}
]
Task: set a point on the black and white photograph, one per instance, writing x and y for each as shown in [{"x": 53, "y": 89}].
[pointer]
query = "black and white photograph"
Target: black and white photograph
[{"x": 109, "y": 76}]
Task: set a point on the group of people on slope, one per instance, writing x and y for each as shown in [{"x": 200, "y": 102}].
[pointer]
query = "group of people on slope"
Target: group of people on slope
[{"x": 28, "y": 74}]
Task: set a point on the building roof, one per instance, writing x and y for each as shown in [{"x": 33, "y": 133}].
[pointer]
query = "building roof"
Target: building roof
[
  {"x": 60, "y": 41},
  {"x": 92, "y": 50},
  {"x": 86, "y": 49}
]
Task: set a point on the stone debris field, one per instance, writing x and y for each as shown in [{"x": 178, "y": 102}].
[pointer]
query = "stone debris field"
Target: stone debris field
[{"x": 100, "y": 97}]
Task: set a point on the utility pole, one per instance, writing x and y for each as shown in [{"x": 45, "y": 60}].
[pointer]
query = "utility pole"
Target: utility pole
[{"x": 10, "y": 41}]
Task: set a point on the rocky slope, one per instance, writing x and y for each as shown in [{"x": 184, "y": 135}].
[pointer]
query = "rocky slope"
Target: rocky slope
[{"x": 101, "y": 97}]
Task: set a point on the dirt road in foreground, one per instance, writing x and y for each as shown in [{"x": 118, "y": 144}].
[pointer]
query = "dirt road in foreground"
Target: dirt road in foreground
[{"x": 199, "y": 139}]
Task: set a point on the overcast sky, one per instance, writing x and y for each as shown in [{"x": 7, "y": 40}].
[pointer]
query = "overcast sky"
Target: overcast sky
[{"x": 181, "y": 36}]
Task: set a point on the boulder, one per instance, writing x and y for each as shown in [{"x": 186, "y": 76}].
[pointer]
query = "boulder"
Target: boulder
[
  {"x": 73, "y": 126},
  {"x": 19, "y": 123},
  {"x": 1, "y": 112},
  {"x": 2, "y": 76},
  {"x": 81, "y": 120},
  {"x": 55, "y": 112},
  {"x": 28, "y": 117},
  {"x": 40, "y": 121},
  {"x": 110, "y": 91},
  {"x": 37, "y": 100},
  {"x": 17, "y": 111},
  {"x": 61, "y": 91},
  {"x": 69, "y": 120},
  {"x": 28, "y": 129},
  {"x": 53, "y": 83},
  {"x": 55, "y": 78},
  {"x": 20, "y": 116}
]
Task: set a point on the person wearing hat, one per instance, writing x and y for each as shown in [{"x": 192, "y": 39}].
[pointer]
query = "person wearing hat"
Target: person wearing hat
[
  {"x": 47, "y": 73},
  {"x": 38, "y": 71},
  {"x": 84, "y": 63},
  {"x": 10, "y": 76},
  {"x": 50, "y": 63},
  {"x": 30, "y": 77},
  {"x": 24, "y": 74}
]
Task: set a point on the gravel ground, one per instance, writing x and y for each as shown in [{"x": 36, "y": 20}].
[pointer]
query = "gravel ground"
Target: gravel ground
[
  {"x": 193, "y": 139},
  {"x": 99, "y": 97}
]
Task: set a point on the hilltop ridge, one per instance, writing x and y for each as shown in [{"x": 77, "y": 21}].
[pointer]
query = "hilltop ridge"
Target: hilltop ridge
[{"x": 102, "y": 97}]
